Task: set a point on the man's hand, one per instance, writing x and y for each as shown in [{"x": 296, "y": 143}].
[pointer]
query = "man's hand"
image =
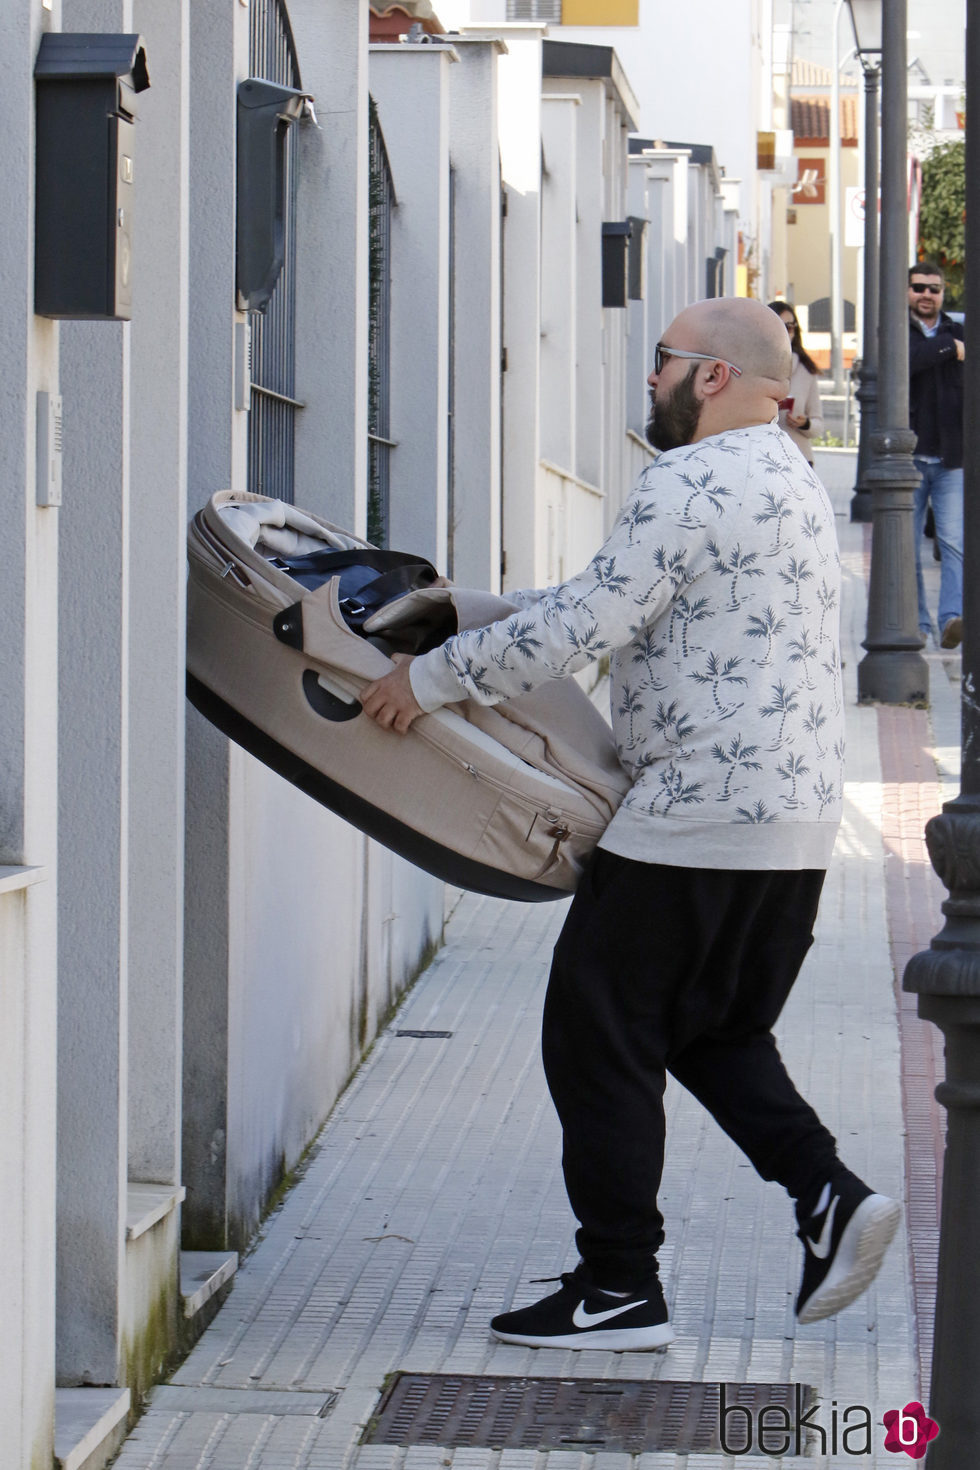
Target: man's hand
[
  {"x": 390, "y": 701},
  {"x": 960, "y": 350}
]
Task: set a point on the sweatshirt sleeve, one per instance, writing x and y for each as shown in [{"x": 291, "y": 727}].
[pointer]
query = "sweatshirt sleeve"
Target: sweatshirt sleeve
[
  {"x": 527, "y": 596},
  {"x": 652, "y": 550},
  {"x": 926, "y": 353}
]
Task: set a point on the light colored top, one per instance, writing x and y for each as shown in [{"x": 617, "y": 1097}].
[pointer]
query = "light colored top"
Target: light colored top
[
  {"x": 804, "y": 388},
  {"x": 716, "y": 597}
]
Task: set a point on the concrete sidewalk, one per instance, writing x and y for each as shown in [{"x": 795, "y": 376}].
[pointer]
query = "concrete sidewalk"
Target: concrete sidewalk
[{"x": 434, "y": 1197}]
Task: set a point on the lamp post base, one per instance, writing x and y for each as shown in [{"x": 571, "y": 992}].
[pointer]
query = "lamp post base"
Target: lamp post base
[
  {"x": 946, "y": 978},
  {"x": 893, "y": 671},
  {"x": 893, "y": 676}
]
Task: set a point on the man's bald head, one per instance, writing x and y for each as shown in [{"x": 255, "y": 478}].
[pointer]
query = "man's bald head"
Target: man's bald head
[
  {"x": 691, "y": 402},
  {"x": 741, "y": 331}
]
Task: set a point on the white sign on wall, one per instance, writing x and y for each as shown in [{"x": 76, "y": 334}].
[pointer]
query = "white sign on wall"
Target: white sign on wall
[{"x": 854, "y": 216}]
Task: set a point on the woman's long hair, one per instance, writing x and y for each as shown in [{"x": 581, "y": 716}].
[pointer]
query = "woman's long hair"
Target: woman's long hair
[{"x": 796, "y": 340}]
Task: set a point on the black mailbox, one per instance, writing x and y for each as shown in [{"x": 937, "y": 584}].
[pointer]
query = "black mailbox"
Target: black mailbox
[
  {"x": 266, "y": 112},
  {"x": 86, "y": 109},
  {"x": 637, "y": 258},
  {"x": 715, "y": 272},
  {"x": 615, "y": 239}
]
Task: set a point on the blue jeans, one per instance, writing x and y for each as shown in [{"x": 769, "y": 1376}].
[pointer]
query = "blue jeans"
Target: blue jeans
[{"x": 944, "y": 488}]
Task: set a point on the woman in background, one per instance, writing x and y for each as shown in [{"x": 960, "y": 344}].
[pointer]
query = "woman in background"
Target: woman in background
[{"x": 803, "y": 421}]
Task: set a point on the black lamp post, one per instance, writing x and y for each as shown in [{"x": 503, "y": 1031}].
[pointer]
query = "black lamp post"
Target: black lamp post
[
  {"x": 893, "y": 671},
  {"x": 946, "y": 977},
  {"x": 866, "y": 21}
]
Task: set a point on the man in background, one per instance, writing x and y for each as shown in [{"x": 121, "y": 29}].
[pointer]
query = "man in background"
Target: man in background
[{"x": 936, "y": 414}]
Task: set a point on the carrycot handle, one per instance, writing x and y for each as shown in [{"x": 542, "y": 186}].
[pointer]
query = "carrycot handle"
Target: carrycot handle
[{"x": 325, "y": 704}]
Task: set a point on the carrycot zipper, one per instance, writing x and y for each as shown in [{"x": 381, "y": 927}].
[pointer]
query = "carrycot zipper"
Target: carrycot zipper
[{"x": 563, "y": 828}]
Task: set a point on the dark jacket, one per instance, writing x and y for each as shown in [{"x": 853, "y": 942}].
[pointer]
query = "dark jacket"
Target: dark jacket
[{"x": 936, "y": 392}]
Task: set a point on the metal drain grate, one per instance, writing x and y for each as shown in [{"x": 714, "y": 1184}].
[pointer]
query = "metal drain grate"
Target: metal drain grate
[
  {"x": 427, "y": 1035},
  {"x": 458, "y": 1410}
]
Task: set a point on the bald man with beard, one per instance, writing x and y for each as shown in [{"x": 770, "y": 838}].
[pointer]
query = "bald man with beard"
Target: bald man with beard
[{"x": 716, "y": 598}]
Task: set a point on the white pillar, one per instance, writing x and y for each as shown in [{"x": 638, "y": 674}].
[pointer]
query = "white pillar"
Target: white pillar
[
  {"x": 93, "y": 939},
  {"x": 559, "y": 283},
  {"x": 645, "y": 198},
  {"x": 410, "y": 85},
  {"x": 519, "y": 112},
  {"x": 591, "y": 405},
  {"x": 158, "y": 517},
  {"x": 93, "y": 849},
  {"x": 332, "y": 262},
  {"x": 28, "y": 791},
  {"x": 613, "y": 475},
  {"x": 673, "y": 165},
  {"x": 216, "y": 459},
  {"x": 475, "y": 468}
]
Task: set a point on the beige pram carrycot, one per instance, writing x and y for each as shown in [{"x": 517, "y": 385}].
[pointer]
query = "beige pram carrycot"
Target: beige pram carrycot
[{"x": 508, "y": 800}]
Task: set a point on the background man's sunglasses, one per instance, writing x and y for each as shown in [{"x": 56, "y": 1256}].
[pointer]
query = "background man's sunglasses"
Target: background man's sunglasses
[
  {"x": 660, "y": 352},
  {"x": 918, "y": 287}
]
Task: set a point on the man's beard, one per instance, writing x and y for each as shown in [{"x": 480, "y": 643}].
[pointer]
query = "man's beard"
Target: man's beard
[
  {"x": 674, "y": 418},
  {"x": 932, "y": 309}
]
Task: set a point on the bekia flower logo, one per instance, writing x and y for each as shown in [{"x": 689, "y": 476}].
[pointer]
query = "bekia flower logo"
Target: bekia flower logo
[{"x": 909, "y": 1429}]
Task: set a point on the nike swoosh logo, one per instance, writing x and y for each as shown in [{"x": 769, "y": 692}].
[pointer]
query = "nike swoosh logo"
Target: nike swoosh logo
[
  {"x": 582, "y": 1318},
  {"x": 821, "y": 1246}
]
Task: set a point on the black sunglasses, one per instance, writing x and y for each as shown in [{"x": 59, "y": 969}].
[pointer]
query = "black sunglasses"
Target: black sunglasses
[
  {"x": 661, "y": 351},
  {"x": 919, "y": 286}
]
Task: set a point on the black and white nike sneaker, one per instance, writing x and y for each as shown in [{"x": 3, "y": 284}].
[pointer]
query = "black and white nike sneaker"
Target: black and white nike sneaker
[
  {"x": 844, "y": 1244},
  {"x": 579, "y": 1315}
]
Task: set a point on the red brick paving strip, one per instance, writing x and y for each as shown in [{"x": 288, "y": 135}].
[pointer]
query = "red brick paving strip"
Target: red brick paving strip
[{"x": 910, "y": 796}]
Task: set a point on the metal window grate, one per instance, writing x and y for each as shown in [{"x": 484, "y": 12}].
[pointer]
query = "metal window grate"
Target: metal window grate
[
  {"x": 534, "y": 10},
  {"x": 588, "y": 1414},
  {"x": 381, "y": 203},
  {"x": 272, "y": 413}
]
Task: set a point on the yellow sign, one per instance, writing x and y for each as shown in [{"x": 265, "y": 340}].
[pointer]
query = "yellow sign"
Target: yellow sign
[{"x": 600, "y": 12}]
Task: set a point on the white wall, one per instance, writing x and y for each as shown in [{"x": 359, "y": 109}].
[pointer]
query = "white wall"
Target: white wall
[
  {"x": 299, "y": 932},
  {"x": 379, "y": 914},
  {"x": 588, "y": 149},
  {"x": 120, "y": 773},
  {"x": 693, "y": 68}
]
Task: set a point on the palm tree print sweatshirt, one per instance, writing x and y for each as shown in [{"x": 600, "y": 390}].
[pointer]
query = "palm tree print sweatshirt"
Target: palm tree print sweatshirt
[{"x": 717, "y": 598}]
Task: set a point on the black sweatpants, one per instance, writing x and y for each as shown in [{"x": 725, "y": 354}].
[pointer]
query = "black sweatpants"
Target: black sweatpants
[{"x": 684, "y": 970}]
